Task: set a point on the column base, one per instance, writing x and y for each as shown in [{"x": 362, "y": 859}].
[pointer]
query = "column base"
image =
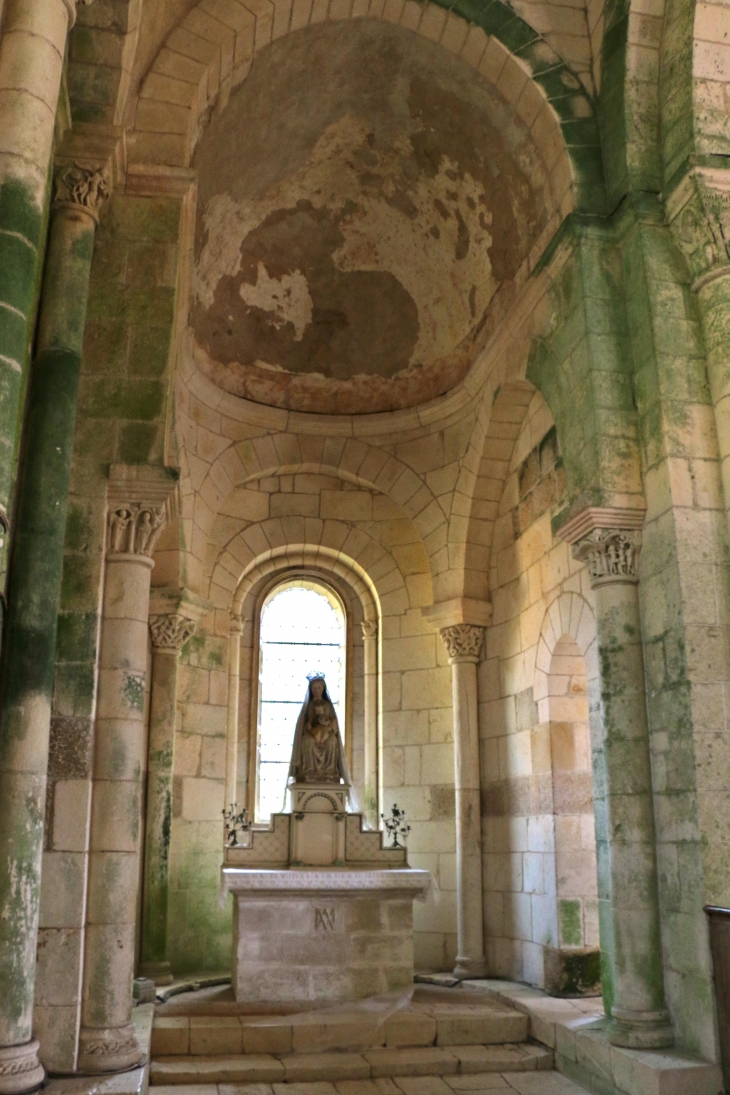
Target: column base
[
  {"x": 20, "y": 1069},
  {"x": 159, "y": 972},
  {"x": 108, "y": 1049},
  {"x": 470, "y": 967},
  {"x": 640, "y": 1029}
]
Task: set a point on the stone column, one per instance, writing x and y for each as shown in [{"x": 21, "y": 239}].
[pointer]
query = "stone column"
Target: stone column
[
  {"x": 639, "y": 1019},
  {"x": 463, "y": 644},
  {"x": 370, "y": 696},
  {"x": 699, "y": 214},
  {"x": 26, "y": 683},
  {"x": 138, "y": 509},
  {"x": 32, "y": 48},
  {"x": 170, "y": 632},
  {"x": 234, "y": 669}
]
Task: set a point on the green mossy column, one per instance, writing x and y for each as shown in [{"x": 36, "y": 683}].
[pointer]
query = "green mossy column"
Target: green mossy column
[
  {"x": 639, "y": 1018},
  {"x": 714, "y": 301},
  {"x": 169, "y": 634},
  {"x": 27, "y": 671},
  {"x": 696, "y": 211},
  {"x": 32, "y": 48}
]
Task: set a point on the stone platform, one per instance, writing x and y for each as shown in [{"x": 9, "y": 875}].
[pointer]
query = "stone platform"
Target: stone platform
[
  {"x": 305, "y": 934},
  {"x": 424, "y": 1042},
  {"x": 374, "y": 1042}
]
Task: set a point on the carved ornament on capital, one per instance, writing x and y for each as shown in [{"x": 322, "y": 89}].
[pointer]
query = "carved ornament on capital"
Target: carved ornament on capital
[
  {"x": 699, "y": 216},
  {"x": 610, "y": 555},
  {"x": 171, "y": 631},
  {"x": 134, "y": 528},
  {"x": 463, "y": 642},
  {"x": 82, "y": 188},
  {"x": 236, "y": 625},
  {"x": 369, "y": 629}
]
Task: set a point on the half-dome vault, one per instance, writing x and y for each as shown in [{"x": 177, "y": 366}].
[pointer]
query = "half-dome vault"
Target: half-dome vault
[{"x": 362, "y": 197}]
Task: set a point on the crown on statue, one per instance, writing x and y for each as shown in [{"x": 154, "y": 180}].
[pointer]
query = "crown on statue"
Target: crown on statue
[{"x": 317, "y": 676}]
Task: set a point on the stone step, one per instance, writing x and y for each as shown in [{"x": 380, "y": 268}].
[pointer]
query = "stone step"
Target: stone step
[
  {"x": 372, "y": 1064},
  {"x": 484, "y": 1023}
]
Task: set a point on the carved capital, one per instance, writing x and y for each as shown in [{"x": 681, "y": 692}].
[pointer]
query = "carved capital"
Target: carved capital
[
  {"x": 463, "y": 642},
  {"x": 369, "y": 629},
  {"x": 236, "y": 624},
  {"x": 171, "y": 631},
  {"x": 699, "y": 217},
  {"x": 82, "y": 188},
  {"x": 610, "y": 554},
  {"x": 134, "y": 528}
]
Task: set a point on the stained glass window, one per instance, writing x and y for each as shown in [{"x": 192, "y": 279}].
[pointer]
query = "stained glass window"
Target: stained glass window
[{"x": 302, "y": 632}]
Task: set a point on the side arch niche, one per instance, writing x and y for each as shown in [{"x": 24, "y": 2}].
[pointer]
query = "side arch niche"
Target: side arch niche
[{"x": 562, "y": 752}]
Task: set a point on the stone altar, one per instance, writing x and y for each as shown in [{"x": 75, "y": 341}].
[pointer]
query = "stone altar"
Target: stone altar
[
  {"x": 305, "y": 935},
  {"x": 321, "y": 909}
]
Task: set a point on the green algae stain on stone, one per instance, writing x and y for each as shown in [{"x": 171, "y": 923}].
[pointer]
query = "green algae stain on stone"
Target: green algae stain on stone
[
  {"x": 133, "y": 690},
  {"x": 571, "y": 928}
]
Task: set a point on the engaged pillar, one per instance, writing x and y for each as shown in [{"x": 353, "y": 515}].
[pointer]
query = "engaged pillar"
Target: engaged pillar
[
  {"x": 32, "y": 49},
  {"x": 639, "y": 1017},
  {"x": 697, "y": 212},
  {"x": 35, "y": 587},
  {"x": 463, "y": 644},
  {"x": 169, "y": 632},
  {"x": 138, "y": 499}
]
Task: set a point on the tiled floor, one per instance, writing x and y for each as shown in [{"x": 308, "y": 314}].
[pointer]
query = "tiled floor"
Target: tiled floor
[{"x": 526, "y": 1083}]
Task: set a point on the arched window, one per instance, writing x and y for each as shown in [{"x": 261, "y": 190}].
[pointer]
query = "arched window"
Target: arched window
[{"x": 303, "y": 631}]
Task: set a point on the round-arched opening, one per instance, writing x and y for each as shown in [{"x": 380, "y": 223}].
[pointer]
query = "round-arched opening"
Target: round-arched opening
[{"x": 303, "y": 631}]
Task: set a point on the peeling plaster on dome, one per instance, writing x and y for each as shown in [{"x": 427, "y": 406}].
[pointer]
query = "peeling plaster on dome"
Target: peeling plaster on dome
[
  {"x": 286, "y": 298},
  {"x": 355, "y": 270}
]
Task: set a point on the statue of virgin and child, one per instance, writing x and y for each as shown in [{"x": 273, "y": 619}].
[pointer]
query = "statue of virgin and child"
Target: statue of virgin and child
[{"x": 318, "y": 755}]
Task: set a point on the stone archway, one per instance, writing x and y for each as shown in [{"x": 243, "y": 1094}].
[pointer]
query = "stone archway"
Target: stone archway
[{"x": 319, "y": 563}]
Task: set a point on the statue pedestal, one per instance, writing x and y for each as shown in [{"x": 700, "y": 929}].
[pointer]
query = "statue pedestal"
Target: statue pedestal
[
  {"x": 317, "y": 833},
  {"x": 305, "y": 935}
]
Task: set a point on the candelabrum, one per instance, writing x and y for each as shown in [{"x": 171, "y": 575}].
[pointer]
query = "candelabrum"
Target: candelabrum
[
  {"x": 395, "y": 826},
  {"x": 235, "y": 822}
]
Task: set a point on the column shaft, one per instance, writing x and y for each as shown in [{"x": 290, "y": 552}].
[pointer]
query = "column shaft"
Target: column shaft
[
  {"x": 107, "y": 1042},
  {"x": 370, "y": 693},
  {"x": 26, "y": 682},
  {"x": 234, "y": 669},
  {"x": 697, "y": 214},
  {"x": 639, "y": 1016},
  {"x": 463, "y": 643},
  {"x": 32, "y": 49},
  {"x": 714, "y": 301},
  {"x": 169, "y": 633}
]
